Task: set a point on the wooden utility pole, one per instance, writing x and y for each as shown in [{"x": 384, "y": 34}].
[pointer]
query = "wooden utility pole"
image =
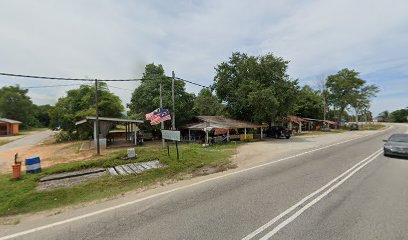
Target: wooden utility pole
[
  {"x": 161, "y": 107},
  {"x": 172, "y": 95},
  {"x": 98, "y": 150}
]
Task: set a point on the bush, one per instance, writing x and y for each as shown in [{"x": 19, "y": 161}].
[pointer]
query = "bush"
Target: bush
[{"x": 65, "y": 136}]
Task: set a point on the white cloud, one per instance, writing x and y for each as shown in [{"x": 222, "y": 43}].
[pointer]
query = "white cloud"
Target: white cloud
[{"x": 115, "y": 39}]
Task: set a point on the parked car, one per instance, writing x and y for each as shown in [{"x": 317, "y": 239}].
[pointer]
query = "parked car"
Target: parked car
[
  {"x": 353, "y": 126},
  {"x": 396, "y": 145},
  {"x": 279, "y": 132}
]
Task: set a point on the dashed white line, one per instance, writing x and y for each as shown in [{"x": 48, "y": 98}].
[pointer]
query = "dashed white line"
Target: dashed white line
[{"x": 340, "y": 180}]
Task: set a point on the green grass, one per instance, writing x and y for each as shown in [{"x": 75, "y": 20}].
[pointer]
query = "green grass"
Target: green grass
[
  {"x": 317, "y": 133},
  {"x": 372, "y": 127},
  {"x": 21, "y": 197},
  {"x": 4, "y": 142}
]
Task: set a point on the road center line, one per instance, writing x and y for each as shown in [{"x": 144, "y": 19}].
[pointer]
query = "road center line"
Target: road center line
[
  {"x": 174, "y": 190},
  {"x": 287, "y": 211},
  {"x": 314, "y": 201}
]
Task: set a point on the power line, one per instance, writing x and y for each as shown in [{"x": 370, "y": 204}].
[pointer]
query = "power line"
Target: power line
[
  {"x": 62, "y": 85},
  {"x": 91, "y": 80},
  {"x": 67, "y": 79},
  {"x": 191, "y": 82},
  {"x": 120, "y": 88}
]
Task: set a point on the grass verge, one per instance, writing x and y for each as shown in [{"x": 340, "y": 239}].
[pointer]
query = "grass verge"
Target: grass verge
[
  {"x": 317, "y": 133},
  {"x": 4, "y": 142},
  {"x": 21, "y": 197}
]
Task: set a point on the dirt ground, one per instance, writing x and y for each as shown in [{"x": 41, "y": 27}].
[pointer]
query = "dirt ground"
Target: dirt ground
[
  {"x": 51, "y": 153},
  {"x": 257, "y": 152}
]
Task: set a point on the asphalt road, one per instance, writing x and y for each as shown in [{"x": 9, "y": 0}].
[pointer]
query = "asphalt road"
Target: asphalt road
[
  {"x": 28, "y": 140},
  {"x": 343, "y": 191}
]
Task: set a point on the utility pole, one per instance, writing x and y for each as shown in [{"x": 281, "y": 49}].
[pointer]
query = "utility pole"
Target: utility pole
[
  {"x": 161, "y": 106},
  {"x": 172, "y": 95},
  {"x": 98, "y": 150}
]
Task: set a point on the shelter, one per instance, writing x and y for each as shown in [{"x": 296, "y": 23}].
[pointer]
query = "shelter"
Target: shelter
[
  {"x": 109, "y": 137},
  {"x": 223, "y": 127},
  {"x": 319, "y": 122},
  {"x": 300, "y": 123},
  {"x": 9, "y": 127}
]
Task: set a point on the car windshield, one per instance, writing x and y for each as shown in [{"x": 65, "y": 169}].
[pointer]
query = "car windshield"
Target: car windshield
[{"x": 399, "y": 138}]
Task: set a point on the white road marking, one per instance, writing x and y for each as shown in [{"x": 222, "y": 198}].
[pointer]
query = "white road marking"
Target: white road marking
[
  {"x": 314, "y": 201},
  {"x": 172, "y": 190},
  {"x": 287, "y": 211}
]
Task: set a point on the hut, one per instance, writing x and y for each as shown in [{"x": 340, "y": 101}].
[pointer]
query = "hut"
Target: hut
[
  {"x": 9, "y": 127},
  {"x": 108, "y": 137}
]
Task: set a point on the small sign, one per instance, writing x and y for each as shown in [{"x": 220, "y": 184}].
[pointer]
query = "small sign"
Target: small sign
[{"x": 171, "y": 135}]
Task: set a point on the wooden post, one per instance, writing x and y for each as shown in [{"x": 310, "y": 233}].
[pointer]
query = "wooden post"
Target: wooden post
[
  {"x": 135, "y": 135},
  {"x": 261, "y": 133},
  {"x": 98, "y": 149},
  {"x": 189, "y": 135},
  {"x": 228, "y": 136},
  {"x": 245, "y": 135}
]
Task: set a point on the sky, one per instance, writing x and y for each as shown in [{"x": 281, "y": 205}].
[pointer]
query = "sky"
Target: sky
[{"x": 116, "y": 39}]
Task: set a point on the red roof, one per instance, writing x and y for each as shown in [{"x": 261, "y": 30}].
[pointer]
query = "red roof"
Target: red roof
[{"x": 296, "y": 119}]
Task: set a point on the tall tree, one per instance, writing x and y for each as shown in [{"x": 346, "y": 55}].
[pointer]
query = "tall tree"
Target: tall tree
[
  {"x": 146, "y": 96},
  {"x": 310, "y": 103},
  {"x": 80, "y": 103},
  {"x": 255, "y": 88},
  {"x": 206, "y": 104},
  {"x": 42, "y": 114},
  {"x": 399, "y": 115},
  {"x": 346, "y": 88},
  {"x": 16, "y": 104}
]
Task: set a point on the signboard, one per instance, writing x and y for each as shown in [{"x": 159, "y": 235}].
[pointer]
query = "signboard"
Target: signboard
[{"x": 171, "y": 135}]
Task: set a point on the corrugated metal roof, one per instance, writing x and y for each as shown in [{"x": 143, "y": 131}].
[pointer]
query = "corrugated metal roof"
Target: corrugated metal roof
[
  {"x": 108, "y": 120},
  {"x": 220, "y": 122},
  {"x": 9, "y": 120}
]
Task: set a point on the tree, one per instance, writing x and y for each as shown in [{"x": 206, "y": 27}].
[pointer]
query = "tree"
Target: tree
[
  {"x": 146, "y": 96},
  {"x": 346, "y": 89},
  {"x": 310, "y": 103},
  {"x": 80, "y": 103},
  {"x": 361, "y": 100},
  {"x": 255, "y": 88},
  {"x": 15, "y": 104},
  {"x": 206, "y": 104},
  {"x": 42, "y": 114},
  {"x": 399, "y": 115},
  {"x": 385, "y": 115}
]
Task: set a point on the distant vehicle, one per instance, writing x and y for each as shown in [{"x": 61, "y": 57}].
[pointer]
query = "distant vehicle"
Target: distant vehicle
[
  {"x": 396, "y": 145},
  {"x": 279, "y": 132},
  {"x": 353, "y": 126}
]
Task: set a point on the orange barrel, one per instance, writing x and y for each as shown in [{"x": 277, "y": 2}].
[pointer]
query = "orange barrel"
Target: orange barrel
[{"x": 16, "y": 171}]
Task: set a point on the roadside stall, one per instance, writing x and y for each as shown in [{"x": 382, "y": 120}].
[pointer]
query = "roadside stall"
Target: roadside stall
[{"x": 218, "y": 129}]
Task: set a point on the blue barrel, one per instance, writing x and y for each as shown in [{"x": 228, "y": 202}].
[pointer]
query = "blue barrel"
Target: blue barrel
[{"x": 33, "y": 165}]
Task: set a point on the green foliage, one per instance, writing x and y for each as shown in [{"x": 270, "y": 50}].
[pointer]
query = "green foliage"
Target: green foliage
[
  {"x": 21, "y": 197},
  {"x": 310, "y": 103},
  {"x": 206, "y": 104},
  {"x": 15, "y": 104},
  {"x": 81, "y": 102},
  {"x": 42, "y": 114},
  {"x": 399, "y": 115},
  {"x": 346, "y": 88},
  {"x": 146, "y": 96},
  {"x": 255, "y": 88}
]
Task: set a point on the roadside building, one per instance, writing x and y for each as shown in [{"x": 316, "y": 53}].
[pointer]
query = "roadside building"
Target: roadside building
[
  {"x": 221, "y": 129},
  {"x": 9, "y": 127},
  {"x": 113, "y": 132}
]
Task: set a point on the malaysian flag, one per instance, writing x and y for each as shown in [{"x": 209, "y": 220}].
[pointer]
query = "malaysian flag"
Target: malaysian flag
[
  {"x": 152, "y": 115},
  {"x": 159, "y": 115}
]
